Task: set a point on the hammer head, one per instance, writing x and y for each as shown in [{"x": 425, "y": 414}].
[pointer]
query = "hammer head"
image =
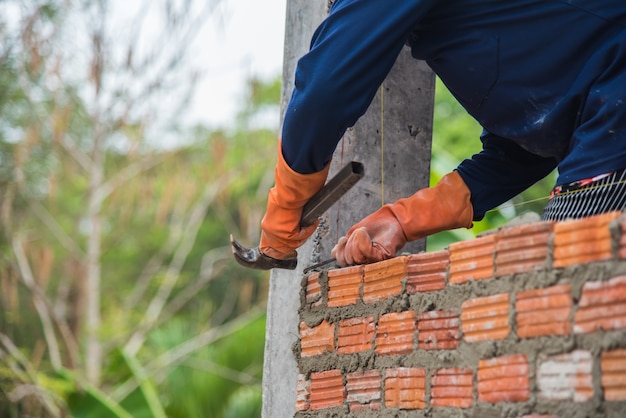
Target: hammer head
[{"x": 253, "y": 258}]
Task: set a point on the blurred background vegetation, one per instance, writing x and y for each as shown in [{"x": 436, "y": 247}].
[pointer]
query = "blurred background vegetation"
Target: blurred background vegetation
[{"x": 118, "y": 293}]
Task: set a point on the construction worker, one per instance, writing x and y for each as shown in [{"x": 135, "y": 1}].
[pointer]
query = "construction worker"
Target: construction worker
[{"x": 546, "y": 79}]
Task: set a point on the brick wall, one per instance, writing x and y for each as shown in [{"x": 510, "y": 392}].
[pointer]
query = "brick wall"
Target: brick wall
[{"x": 527, "y": 322}]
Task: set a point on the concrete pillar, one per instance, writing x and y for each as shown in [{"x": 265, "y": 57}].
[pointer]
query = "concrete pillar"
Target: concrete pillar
[
  {"x": 392, "y": 140},
  {"x": 280, "y": 372}
]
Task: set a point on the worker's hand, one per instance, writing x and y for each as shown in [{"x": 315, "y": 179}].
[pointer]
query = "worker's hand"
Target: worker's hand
[
  {"x": 377, "y": 237},
  {"x": 281, "y": 233},
  {"x": 382, "y": 234}
]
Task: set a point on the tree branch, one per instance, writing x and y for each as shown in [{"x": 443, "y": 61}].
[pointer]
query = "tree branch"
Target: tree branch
[
  {"x": 24, "y": 372},
  {"x": 225, "y": 372},
  {"x": 46, "y": 311},
  {"x": 207, "y": 273},
  {"x": 75, "y": 152},
  {"x": 40, "y": 306},
  {"x": 173, "y": 272},
  {"x": 65, "y": 240},
  {"x": 157, "y": 261},
  {"x": 179, "y": 353},
  {"x": 129, "y": 172}
]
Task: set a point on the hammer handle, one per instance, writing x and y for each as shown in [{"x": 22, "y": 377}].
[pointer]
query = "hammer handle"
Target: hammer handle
[{"x": 331, "y": 192}]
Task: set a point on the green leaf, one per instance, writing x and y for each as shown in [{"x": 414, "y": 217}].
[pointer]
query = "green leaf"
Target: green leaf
[
  {"x": 150, "y": 398},
  {"x": 87, "y": 401}
]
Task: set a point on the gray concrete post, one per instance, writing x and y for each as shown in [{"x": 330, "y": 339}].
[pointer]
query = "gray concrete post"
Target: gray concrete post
[
  {"x": 280, "y": 372},
  {"x": 393, "y": 141}
]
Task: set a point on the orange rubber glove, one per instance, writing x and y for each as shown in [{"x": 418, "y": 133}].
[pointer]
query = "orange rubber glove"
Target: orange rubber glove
[
  {"x": 383, "y": 233},
  {"x": 281, "y": 233}
]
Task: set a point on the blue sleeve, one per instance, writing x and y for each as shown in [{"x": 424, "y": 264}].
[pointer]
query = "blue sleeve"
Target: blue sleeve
[
  {"x": 351, "y": 53},
  {"x": 501, "y": 171}
]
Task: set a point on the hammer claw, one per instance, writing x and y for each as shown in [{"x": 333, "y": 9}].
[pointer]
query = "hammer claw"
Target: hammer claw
[
  {"x": 329, "y": 194},
  {"x": 253, "y": 258}
]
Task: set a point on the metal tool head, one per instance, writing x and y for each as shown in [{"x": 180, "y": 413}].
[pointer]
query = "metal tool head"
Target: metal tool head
[
  {"x": 329, "y": 194},
  {"x": 253, "y": 258},
  {"x": 331, "y": 262}
]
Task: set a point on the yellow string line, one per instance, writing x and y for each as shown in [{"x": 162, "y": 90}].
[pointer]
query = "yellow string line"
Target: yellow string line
[
  {"x": 382, "y": 143},
  {"x": 514, "y": 205},
  {"x": 584, "y": 189}
]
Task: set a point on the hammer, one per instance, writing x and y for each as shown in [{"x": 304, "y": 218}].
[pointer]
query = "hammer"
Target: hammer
[{"x": 328, "y": 195}]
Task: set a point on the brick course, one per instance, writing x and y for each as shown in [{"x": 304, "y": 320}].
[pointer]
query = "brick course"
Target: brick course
[
  {"x": 364, "y": 390},
  {"x": 355, "y": 335},
  {"x": 395, "y": 333},
  {"x": 613, "y": 366},
  {"x": 317, "y": 340},
  {"x": 313, "y": 290},
  {"x": 344, "y": 286},
  {"x": 472, "y": 260},
  {"x": 405, "y": 388},
  {"x": 486, "y": 318},
  {"x": 544, "y": 311},
  {"x": 504, "y": 379},
  {"x": 602, "y": 306},
  {"x": 566, "y": 377},
  {"x": 529, "y": 321},
  {"x": 426, "y": 272},
  {"x": 383, "y": 280},
  {"x": 523, "y": 248},
  {"x": 302, "y": 393},
  {"x": 584, "y": 240},
  {"x": 326, "y": 390},
  {"x": 453, "y": 387},
  {"x": 438, "y": 330}
]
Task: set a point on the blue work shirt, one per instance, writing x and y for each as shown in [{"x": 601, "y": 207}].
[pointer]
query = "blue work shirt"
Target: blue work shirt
[{"x": 546, "y": 79}]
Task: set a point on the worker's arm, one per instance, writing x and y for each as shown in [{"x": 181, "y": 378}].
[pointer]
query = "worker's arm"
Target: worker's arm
[
  {"x": 351, "y": 53},
  {"x": 501, "y": 171}
]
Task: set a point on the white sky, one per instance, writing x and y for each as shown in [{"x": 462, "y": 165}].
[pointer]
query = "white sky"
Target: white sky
[{"x": 244, "y": 38}]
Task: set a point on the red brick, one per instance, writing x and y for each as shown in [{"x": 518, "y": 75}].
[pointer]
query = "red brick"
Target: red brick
[
  {"x": 602, "y": 306},
  {"x": 317, "y": 340},
  {"x": 395, "y": 333},
  {"x": 504, "y": 379},
  {"x": 302, "y": 393},
  {"x": 613, "y": 368},
  {"x": 583, "y": 240},
  {"x": 472, "y": 260},
  {"x": 452, "y": 388},
  {"x": 438, "y": 330},
  {"x": 486, "y": 318},
  {"x": 326, "y": 390},
  {"x": 522, "y": 248},
  {"x": 566, "y": 377},
  {"x": 426, "y": 272},
  {"x": 355, "y": 335},
  {"x": 344, "y": 286},
  {"x": 383, "y": 280},
  {"x": 364, "y": 390},
  {"x": 313, "y": 290},
  {"x": 405, "y": 388},
  {"x": 544, "y": 311}
]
